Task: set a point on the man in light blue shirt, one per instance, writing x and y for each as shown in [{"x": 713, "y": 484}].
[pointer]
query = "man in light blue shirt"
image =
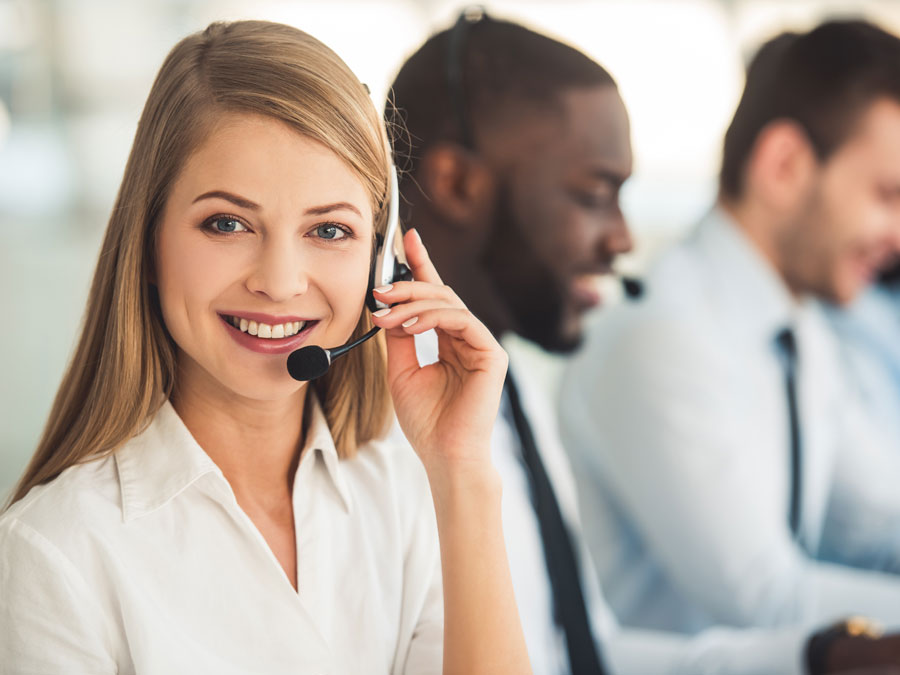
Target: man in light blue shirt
[{"x": 717, "y": 447}]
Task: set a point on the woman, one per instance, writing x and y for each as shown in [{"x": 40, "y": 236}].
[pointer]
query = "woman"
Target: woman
[{"x": 190, "y": 506}]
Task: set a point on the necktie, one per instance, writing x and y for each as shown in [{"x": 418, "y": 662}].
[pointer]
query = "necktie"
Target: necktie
[
  {"x": 570, "y": 612},
  {"x": 787, "y": 345}
]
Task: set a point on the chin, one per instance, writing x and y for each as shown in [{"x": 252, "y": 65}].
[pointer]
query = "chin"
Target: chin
[
  {"x": 264, "y": 384},
  {"x": 276, "y": 392},
  {"x": 554, "y": 328},
  {"x": 844, "y": 294},
  {"x": 562, "y": 342}
]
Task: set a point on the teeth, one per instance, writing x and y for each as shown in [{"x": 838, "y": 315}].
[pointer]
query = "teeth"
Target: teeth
[{"x": 264, "y": 330}]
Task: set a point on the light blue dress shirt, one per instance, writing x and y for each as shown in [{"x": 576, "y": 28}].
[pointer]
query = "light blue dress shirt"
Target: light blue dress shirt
[
  {"x": 869, "y": 334},
  {"x": 869, "y": 337},
  {"x": 675, "y": 418}
]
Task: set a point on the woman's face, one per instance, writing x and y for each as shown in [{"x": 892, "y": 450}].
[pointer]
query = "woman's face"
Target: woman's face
[{"x": 270, "y": 230}]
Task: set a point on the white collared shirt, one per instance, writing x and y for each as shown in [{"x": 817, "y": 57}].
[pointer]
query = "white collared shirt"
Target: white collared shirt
[
  {"x": 143, "y": 562},
  {"x": 676, "y": 421}
]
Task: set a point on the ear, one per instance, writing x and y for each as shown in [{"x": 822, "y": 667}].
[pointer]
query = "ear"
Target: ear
[
  {"x": 782, "y": 166},
  {"x": 459, "y": 186}
]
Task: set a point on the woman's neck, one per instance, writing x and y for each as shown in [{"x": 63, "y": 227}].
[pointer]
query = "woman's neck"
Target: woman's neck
[{"x": 255, "y": 443}]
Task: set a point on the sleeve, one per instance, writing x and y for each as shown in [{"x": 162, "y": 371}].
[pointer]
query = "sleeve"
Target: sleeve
[
  {"x": 654, "y": 415},
  {"x": 719, "y": 651},
  {"x": 49, "y": 620},
  {"x": 712, "y": 652},
  {"x": 421, "y": 649},
  {"x": 862, "y": 526}
]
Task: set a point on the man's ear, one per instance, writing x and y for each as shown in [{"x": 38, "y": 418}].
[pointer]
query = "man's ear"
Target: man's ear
[
  {"x": 458, "y": 185},
  {"x": 782, "y": 165}
]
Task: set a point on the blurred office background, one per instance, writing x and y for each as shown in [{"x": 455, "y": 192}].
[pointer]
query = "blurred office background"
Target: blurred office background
[{"x": 74, "y": 75}]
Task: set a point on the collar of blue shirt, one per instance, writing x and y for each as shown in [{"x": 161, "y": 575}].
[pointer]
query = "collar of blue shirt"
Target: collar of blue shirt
[{"x": 748, "y": 287}]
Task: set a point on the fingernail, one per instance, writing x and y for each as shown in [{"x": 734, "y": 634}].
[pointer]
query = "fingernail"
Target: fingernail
[
  {"x": 383, "y": 289},
  {"x": 409, "y": 322},
  {"x": 382, "y": 312},
  {"x": 418, "y": 237}
]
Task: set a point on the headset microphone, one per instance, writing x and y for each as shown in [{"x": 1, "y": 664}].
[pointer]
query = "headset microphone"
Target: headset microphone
[
  {"x": 633, "y": 287},
  {"x": 312, "y": 362},
  {"x": 388, "y": 265}
]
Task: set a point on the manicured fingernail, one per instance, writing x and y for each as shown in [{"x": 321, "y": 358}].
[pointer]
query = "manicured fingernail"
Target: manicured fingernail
[
  {"x": 382, "y": 312},
  {"x": 383, "y": 289},
  {"x": 409, "y": 322},
  {"x": 418, "y": 237}
]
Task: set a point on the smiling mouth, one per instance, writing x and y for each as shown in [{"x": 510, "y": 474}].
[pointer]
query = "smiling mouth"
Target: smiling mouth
[{"x": 265, "y": 330}]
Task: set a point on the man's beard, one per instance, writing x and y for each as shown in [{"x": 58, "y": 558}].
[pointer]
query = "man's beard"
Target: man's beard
[{"x": 533, "y": 295}]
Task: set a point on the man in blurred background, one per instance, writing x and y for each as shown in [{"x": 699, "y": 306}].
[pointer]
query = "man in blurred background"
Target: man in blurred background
[
  {"x": 718, "y": 448},
  {"x": 513, "y": 149}
]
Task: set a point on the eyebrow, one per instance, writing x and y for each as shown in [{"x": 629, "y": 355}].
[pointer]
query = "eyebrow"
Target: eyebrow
[
  {"x": 328, "y": 208},
  {"x": 245, "y": 203},
  {"x": 228, "y": 197}
]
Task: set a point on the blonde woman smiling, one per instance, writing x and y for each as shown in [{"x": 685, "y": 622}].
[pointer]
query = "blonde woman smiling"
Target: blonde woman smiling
[{"x": 190, "y": 506}]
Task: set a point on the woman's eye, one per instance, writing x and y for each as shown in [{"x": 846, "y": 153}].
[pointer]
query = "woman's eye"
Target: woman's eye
[
  {"x": 226, "y": 225},
  {"x": 330, "y": 231}
]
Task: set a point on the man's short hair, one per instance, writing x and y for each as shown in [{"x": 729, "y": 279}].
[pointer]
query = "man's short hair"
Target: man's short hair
[
  {"x": 823, "y": 80},
  {"x": 469, "y": 74}
]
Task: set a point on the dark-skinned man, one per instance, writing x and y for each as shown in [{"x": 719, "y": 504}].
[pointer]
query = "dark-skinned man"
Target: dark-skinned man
[{"x": 514, "y": 148}]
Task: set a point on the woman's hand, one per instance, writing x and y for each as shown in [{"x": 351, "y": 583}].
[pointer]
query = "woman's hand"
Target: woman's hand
[{"x": 447, "y": 409}]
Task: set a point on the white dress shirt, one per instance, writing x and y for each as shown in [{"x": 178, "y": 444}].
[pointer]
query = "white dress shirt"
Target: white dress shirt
[
  {"x": 676, "y": 420},
  {"x": 623, "y": 651},
  {"x": 143, "y": 562}
]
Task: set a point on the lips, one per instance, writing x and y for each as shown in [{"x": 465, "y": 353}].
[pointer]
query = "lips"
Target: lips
[
  {"x": 585, "y": 291},
  {"x": 268, "y": 345}
]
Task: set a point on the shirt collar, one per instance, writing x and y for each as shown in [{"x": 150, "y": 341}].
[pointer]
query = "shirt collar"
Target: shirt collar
[
  {"x": 159, "y": 463},
  {"x": 320, "y": 444},
  {"x": 745, "y": 281},
  {"x": 163, "y": 460}
]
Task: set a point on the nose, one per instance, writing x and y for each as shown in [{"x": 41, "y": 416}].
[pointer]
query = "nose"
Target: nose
[
  {"x": 278, "y": 272},
  {"x": 616, "y": 237}
]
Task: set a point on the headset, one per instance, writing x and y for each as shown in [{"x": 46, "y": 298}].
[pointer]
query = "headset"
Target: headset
[{"x": 388, "y": 265}]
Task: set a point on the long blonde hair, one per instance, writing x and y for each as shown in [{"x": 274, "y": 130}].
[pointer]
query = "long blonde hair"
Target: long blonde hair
[{"x": 124, "y": 367}]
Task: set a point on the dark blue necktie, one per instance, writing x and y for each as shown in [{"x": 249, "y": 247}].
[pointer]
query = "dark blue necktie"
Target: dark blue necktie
[
  {"x": 570, "y": 612},
  {"x": 787, "y": 346}
]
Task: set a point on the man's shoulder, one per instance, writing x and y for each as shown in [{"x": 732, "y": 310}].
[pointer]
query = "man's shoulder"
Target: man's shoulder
[{"x": 677, "y": 324}]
